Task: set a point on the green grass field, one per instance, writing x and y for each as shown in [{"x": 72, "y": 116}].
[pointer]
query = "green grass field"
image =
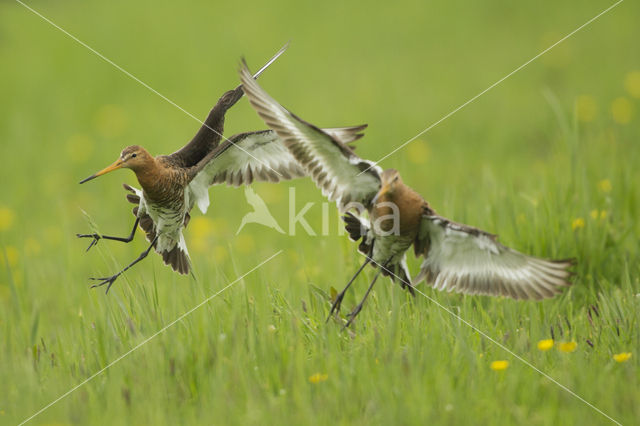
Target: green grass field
[{"x": 549, "y": 159}]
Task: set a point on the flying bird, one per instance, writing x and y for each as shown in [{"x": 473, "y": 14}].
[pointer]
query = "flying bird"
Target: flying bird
[
  {"x": 173, "y": 184},
  {"x": 457, "y": 257}
]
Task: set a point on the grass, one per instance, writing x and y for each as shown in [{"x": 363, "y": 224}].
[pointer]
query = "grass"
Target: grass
[{"x": 548, "y": 159}]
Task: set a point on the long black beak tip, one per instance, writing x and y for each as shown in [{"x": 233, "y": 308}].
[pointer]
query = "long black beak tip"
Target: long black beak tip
[{"x": 88, "y": 179}]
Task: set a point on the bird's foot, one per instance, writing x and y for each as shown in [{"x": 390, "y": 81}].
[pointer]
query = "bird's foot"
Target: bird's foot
[
  {"x": 108, "y": 281},
  {"x": 335, "y": 307},
  {"x": 96, "y": 238},
  {"x": 353, "y": 315}
]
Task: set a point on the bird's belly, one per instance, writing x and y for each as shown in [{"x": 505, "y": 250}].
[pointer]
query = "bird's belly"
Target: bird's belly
[
  {"x": 168, "y": 223},
  {"x": 390, "y": 247}
]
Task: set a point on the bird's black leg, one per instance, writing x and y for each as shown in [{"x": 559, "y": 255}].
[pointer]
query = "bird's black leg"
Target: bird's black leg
[
  {"x": 98, "y": 237},
  {"x": 110, "y": 280},
  {"x": 358, "y": 307},
  {"x": 335, "y": 307}
]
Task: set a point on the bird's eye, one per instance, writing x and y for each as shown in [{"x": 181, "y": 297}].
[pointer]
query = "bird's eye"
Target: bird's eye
[{"x": 134, "y": 155}]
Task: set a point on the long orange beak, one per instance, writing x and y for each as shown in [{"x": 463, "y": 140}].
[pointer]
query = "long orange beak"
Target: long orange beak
[
  {"x": 115, "y": 166},
  {"x": 383, "y": 189}
]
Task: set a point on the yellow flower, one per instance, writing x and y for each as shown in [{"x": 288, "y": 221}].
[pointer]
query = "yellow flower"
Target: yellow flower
[
  {"x": 6, "y": 218},
  {"x": 586, "y": 108},
  {"x": 200, "y": 226},
  {"x": 418, "y": 152},
  {"x": 271, "y": 328},
  {"x": 499, "y": 365},
  {"x": 604, "y": 185},
  {"x": 595, "y": 214},
  {"x": 318, "y": 377},
  {"x": 577, "y": 223},
  {"x": 632, "y": 83},
  {"x": 621, "y": 110},
  {"x": 545, "y": 345},
  {"x": 12, "y": 255},
  {"x": 622, "y": 357},
  {"x": 568, "y": 347}
]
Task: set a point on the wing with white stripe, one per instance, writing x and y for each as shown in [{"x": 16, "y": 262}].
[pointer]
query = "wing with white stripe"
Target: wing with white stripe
[
  {"x": 343, "y": 176},
  {"x": 467, "y": 260},
  {"x": 254, "y": 156},
  {"x": 248, "y": 157}
]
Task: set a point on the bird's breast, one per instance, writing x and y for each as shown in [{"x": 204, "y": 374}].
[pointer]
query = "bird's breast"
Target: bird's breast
[{"x": 399, "y": 213}]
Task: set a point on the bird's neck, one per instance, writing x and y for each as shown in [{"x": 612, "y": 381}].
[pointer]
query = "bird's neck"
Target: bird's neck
[{"x": 151, "y": 176}]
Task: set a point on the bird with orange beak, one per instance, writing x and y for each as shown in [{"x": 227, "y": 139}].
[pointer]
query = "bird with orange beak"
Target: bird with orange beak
[
  {"x": 457, "y": 257},
  {"x": 172, "y": 184}
]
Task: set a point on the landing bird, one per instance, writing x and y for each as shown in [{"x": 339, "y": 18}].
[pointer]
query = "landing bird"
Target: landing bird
[
  {"x": 172, "y": 184},
  {"x": 457, "y": 257}
]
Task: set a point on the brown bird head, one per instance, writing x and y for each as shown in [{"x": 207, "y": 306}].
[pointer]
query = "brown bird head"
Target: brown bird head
[
  {"x": 390, "y": 180},
  {"x": 132, "y": 157},
  {"x": 230, "y": 98}
]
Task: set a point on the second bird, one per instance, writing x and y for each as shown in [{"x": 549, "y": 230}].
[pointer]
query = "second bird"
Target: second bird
[{"x": 457, "y": 257}]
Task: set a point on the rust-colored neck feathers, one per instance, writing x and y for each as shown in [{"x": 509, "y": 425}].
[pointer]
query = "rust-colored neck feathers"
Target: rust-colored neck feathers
[
  {"x": 149, "y": 174},
  {"x": 396, "y": 197},
  {"x": 154, "y": 175}
]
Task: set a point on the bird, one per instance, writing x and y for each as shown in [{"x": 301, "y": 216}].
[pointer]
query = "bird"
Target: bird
[
  {"x": 173, "y": 184},
  {"x": 456, "y": 257},
  {"x": 260, "y": 214}
]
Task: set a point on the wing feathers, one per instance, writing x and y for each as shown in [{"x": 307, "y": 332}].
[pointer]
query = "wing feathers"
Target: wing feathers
[
  {"x": 468, "y": 260},
  {"x": 332, "y": 165}
]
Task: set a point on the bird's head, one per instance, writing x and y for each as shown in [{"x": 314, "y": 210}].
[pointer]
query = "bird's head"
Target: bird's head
[
  {"x": 230, "y": 98},
  {"x": 132, "y": 157},
  {"x": 390, "y": 181}
]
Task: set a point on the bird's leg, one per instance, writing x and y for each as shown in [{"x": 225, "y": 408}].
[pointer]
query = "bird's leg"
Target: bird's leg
[
  {"x": 98, "y": 237},
  {"x": 110, "y": 280},
  {"x": 335, "y": 307},
  {"x": 358, "y": 307}
]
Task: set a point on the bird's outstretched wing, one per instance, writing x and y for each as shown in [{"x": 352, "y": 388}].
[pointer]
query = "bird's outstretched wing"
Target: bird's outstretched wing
[
  {"x": 254, "y": 156},
  {"x": 467, "y": 260},
  {"x": 210, "y": 133},
  {"x": 332, "y": 165}
]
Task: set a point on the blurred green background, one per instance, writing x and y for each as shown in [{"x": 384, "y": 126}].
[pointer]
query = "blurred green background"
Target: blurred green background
[{"x": 548, "y": 159}]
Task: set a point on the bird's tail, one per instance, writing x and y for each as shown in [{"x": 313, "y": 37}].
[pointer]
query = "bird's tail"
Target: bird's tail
[{"x": 178, "y": 259}]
